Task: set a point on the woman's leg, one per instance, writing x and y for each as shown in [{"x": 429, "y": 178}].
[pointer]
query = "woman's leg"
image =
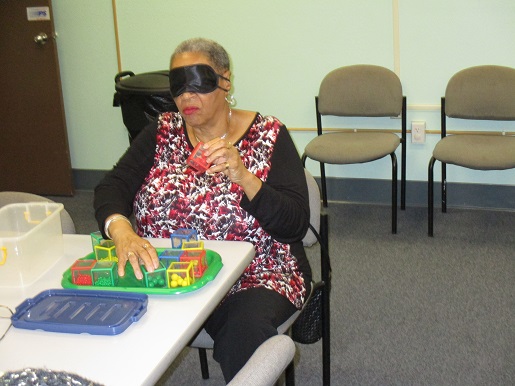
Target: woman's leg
[{"x": 244, "y": 321}]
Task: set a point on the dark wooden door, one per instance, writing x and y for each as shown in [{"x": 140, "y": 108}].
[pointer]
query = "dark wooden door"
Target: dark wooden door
[{"x": 34, "y": 151}]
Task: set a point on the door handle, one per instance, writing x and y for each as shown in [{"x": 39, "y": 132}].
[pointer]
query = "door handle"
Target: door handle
[{"x": 41, "y": 38}]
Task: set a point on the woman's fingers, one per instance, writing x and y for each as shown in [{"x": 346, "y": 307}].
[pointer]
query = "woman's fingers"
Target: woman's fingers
[
  {"x": 137, "y": 251},
  {"x": 222, "y": 156}
]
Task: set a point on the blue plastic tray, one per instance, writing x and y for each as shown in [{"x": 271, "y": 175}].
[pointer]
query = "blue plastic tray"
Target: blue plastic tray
[{"x": 81, "y": 311}]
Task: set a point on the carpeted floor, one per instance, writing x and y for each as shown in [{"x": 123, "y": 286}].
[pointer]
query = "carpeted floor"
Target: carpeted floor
[{"x": 406, "y": 309}]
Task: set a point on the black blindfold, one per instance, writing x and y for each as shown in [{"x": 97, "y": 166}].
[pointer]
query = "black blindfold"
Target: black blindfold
[{"x": 199, "y": 78}]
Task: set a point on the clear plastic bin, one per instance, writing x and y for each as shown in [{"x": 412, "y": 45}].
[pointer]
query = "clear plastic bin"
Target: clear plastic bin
[{"x": 31, "y": 241}]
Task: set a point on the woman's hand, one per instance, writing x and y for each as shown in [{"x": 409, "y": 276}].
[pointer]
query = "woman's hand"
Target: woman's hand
[
  {"x": 225, "y": 158},
  {"x": 130, "y": 247}
]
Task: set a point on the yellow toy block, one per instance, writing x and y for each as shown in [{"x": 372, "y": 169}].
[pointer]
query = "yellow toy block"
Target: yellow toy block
[
  {"x": 196, "y": 245},
  {"x": 180, "y": 274},
  {"x": 106, "y": 251}
]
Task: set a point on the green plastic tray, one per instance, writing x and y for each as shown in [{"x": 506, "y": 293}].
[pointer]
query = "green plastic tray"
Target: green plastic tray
[{"x": 129, "y": 283}]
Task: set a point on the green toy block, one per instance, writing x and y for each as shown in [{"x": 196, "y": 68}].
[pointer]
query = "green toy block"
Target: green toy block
[
  {"x": 156, "y": 279},
  {"x": 105, "y": 273}
]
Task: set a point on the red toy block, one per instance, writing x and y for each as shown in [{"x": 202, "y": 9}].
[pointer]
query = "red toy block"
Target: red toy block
[
  {"x": 197, "y": 160},
  {"x": 198, "y": 258},
  {"x": 81, "y": 272}
]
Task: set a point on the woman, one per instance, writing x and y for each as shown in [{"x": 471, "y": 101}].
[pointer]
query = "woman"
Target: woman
[{"x": 254, "y": 190}]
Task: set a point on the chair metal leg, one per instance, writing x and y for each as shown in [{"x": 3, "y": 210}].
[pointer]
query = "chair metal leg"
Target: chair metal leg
[
  {"x": 326, "y": 337},
  {"x": 394, "y": 193},
  {"x": 403, "y": 156},
  {"x": 289, "y": 378},
  {"x": 403, "y": 188},
  {"x": 326, "y": 314},
  {"x": 430, "y": 196},
  {"x": 322, "y": 179},
  {"x": 303, "y": 159},
  {"x": 444, "y": 187},
  {"x": 323, "y": 183},
  {"x": 203, "y": 363}
]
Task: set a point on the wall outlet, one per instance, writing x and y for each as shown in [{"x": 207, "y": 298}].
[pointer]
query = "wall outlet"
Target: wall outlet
[{"x": 418, "y": 131}]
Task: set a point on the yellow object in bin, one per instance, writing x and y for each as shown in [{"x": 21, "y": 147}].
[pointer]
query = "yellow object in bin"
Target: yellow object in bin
[{"x": 4, "y": 255}]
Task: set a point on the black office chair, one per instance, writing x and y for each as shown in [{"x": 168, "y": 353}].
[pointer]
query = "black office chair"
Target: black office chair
[
  {"x": 480, "y": 93},
  {"x": 314, "y": 322},
  {"x": 313, "y": 325},
  {"x": 360, "y": 91}
]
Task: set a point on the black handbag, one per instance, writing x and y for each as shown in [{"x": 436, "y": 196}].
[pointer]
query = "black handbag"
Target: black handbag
[{"x": 307, "y": 328}]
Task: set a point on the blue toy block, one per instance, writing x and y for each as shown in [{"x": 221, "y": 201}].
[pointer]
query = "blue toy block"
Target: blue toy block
[
  {"x": 168, "y": 256},
  {"x": 181, "y": 235}
]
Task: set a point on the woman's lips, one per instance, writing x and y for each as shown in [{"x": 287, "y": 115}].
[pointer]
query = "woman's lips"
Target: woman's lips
[{"x": 189, "y": 110}]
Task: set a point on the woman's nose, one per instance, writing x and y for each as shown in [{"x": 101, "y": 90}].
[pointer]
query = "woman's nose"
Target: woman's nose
[{"x": 186, "y": 95}]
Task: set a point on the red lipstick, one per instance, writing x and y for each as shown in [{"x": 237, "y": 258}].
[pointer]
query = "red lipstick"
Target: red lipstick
[{"x": 190, "y": 110}]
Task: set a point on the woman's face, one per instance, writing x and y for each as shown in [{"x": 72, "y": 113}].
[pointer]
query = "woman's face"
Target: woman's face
[{"x": 198, "y": 109}]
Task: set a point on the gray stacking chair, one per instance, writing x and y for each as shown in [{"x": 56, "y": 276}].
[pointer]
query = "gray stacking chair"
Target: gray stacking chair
[
  {"x": 360, "y": 91},
  {"x": 480, "y": 93},
  {"x": 8, "y": 197},
  {"x": 267, "y": 363},
  {"x": 318, "y": 233}
]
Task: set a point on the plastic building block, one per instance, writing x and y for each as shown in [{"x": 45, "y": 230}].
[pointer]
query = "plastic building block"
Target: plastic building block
[
  {"x": 96, "y": 239},
  {"x": 81, "y": 272},
  {"x": 105, "y": 273},
  {"x": 197, "y": 160},
  {"x": 198, "y": 258},
  {"x": 156, "y": 279},
  {"x": 106, "y": 251},
  {"x": 181, "y": 235},
  {"x": 168, "y": 256},
  {"x": 196, "y": 244},
  {"x": 180, "y": 274}
]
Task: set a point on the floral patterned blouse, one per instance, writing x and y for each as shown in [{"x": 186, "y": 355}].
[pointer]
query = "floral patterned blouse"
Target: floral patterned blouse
[{"x": 173, "y": 196}]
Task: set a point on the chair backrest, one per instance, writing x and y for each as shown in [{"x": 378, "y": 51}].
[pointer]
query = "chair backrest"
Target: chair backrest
[
  {"x": 314, "y": 210},
  {"x": 361, "y": 90},
  {"x": 267, "y": 363},
  {"x": 481, "y": 92},
  {"x": 6, "y": 198}
]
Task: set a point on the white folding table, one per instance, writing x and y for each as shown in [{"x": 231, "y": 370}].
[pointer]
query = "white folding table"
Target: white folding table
[{"x": 143, "y": 352}]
